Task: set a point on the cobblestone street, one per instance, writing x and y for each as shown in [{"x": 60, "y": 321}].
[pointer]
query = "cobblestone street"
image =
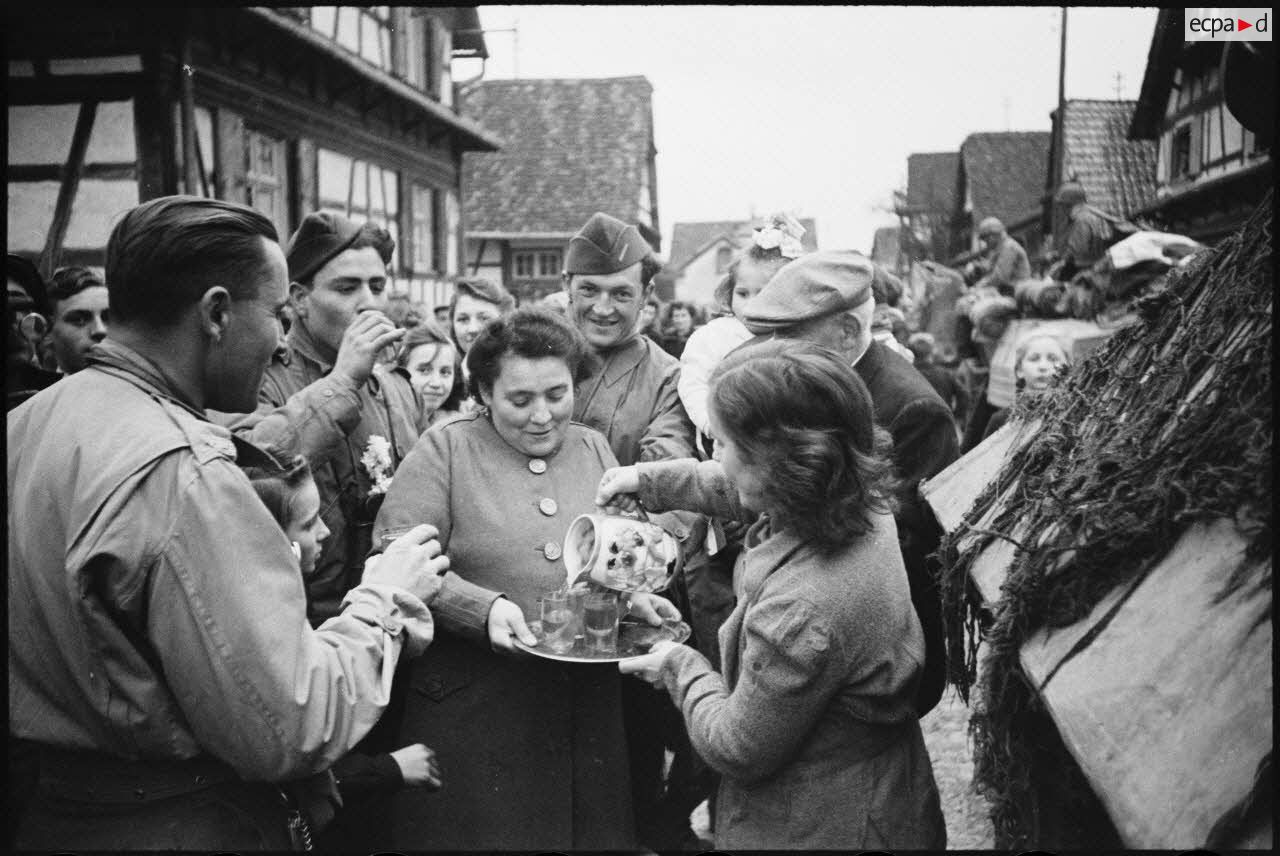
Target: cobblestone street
[{"x": 946, "y": 733}]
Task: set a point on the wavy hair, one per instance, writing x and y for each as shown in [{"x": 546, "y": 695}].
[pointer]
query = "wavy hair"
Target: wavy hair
[
  {"x": 803, "y": 416},
  {"x": 277, "y": 485},
  {"x": 531, "y": 332}
]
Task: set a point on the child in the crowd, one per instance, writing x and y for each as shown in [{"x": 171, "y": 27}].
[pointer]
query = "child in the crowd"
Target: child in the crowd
[
  {"x": 289, "y": 492},
  {"x": 435, "y": 370},
  {"x": 811, "y": 720},
  {"x": 1037, "y": 360},
  {"x": 771, "y": 248}
]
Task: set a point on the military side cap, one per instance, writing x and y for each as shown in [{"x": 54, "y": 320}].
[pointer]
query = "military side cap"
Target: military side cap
[
  {"x": 321, "y": 237},
  {"x": 605, "y": 245},
  {"x": 813, "y": 286}
]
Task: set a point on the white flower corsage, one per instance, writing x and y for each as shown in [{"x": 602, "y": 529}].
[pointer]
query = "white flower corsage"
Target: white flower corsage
[
  {"x": 377, "y": 463},
  {"x": 784, "y": 232}
]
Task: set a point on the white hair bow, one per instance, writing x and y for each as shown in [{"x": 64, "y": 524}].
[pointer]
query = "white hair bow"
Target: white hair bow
[{"x": 784, "y": 232}]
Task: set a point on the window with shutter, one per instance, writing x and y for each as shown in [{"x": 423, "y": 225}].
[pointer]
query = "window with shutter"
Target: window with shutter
[{"x": 266, "y": 178}]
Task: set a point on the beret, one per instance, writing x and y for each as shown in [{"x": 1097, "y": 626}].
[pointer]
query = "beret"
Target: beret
[
  {"x": 813, "y": 286},
  {"x": 605, "y": 245},
  {"x": 321, "y": 236}
]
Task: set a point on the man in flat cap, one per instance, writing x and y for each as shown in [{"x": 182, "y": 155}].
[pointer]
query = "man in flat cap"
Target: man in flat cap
[
  {"x": 161, "y": 667},
  {"x": 631, "y": 398},
  {"x": 826, "y": 298},
  {"x": 1003, "y": 259},
  {"x": 326, "y": 397}
]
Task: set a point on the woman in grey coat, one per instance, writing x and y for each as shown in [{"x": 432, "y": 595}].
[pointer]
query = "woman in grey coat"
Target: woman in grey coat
[{"x": 811, "y": 722}]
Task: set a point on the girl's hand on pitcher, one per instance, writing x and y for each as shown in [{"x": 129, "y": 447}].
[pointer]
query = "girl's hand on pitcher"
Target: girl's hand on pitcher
[{"x": 618, "y": 489}]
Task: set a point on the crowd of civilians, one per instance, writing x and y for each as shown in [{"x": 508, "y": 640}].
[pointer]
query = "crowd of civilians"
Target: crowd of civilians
[{"x": 338, "y": 663}]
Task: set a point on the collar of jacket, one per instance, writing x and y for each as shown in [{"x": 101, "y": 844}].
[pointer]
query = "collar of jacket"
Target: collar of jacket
[
  {"x": 303, "y": 344},
  {"x": 118, "y": 358},
  {"x": 622, "y": 359}
]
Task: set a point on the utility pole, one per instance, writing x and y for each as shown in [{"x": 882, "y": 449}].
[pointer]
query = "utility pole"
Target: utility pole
[
  {"x": 1062, "y": 98},
  {"x": 1119, "y": 86}
]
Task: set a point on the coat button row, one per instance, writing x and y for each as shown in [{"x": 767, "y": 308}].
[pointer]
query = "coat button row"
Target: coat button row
[
  {"x": 537, "y": 466},
  {"x": 551, "y": 550},
  {"x": 548, "y": 507}
]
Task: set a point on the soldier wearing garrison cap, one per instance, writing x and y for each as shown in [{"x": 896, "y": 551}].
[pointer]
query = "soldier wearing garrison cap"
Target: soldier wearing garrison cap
[
  {"x": 826, "y": 298},
  {"x": 325, "y": 395},
  {"x": 631, "y": 398}
]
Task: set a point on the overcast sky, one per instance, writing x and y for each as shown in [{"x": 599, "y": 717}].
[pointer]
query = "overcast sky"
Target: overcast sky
[{"x": 816, "y": 108}]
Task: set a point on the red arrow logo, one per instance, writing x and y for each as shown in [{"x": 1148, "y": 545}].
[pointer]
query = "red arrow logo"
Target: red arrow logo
[{"x": 1244, "y": 25}]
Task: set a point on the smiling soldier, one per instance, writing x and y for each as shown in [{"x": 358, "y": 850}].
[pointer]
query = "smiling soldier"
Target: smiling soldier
[{"x": 631, "y": 398}]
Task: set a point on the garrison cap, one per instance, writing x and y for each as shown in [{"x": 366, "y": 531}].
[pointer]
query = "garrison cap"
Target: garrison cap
[
  {"x": 321, "y": 237},
  {"x": 813, "y": 286},
  {"x": 605, "y": 245}
]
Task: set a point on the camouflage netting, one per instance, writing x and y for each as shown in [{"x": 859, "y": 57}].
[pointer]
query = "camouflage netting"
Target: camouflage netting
[{"x": 1167, "y": 425}]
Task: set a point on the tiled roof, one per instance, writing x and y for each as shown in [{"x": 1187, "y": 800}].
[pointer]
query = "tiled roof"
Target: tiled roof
[
  {"x": 884, "y": 247},
  {"x": 572, "y": 147},
  {"x": 688, "y": 240},
  {"x": 1118, "y": 174},
  {"x": 1006, "y": 173},
  {"x": 931, "y": 182}
]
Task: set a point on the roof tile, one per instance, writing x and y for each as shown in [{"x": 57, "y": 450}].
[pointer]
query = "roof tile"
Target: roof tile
[
  {"x": 1006, "y": 173},
  {"x": 1118, "y": 174},
  {"x": 572, "y": 147},
  {"x": 931, "y": 182}
]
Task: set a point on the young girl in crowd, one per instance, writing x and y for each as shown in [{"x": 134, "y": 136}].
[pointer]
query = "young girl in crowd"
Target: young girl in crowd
[
  {"x": 290, "y": 494},
  {"x": 772, "y": 247},
  {"x": 1036, "y": 362},
  {"x": 435, "y": 370},
  {"x": 811, "y": 722}
]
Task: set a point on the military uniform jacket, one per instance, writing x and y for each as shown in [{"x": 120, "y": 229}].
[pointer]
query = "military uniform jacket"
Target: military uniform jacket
[
  {"x": 156, "y": 611},
  {"x": 304, "y": 410},
  {"x": 633, "y": 401}
]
